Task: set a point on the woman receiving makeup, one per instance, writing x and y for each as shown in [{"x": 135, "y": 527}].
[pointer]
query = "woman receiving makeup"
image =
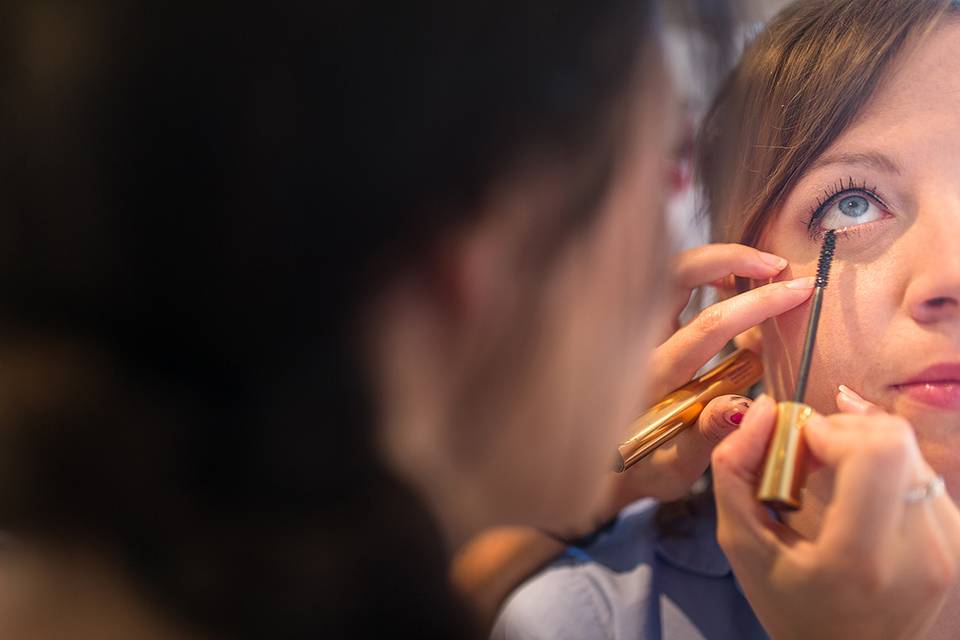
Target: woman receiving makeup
[
  {"x": 870, "y": 144},
  {"x": 841, "y": 115}
]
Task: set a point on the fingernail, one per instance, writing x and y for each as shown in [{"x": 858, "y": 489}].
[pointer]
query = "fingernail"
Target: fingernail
[
  {"x": 774, "y": 261},
  {"x": 847, "y": 391},
  {"x": 741, "y": 404},
  {"x": 851, "y": 396},
  {"x": 806, "y": 282}
]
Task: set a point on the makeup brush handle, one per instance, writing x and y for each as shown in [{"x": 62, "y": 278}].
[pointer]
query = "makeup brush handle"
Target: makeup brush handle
[{"x": 681, "y": 408}]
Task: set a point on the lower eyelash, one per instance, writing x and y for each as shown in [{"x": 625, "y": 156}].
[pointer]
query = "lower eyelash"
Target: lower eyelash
[{"x": 842, "y": 233}]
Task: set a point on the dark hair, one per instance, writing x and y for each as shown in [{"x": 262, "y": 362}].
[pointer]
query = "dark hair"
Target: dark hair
[{"x": 187, "y": 234}]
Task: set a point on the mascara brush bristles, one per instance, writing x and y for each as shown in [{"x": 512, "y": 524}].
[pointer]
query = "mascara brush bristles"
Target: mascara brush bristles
[
  {"x": 826, "y": 258},
  {"x": 823, "y": 274}
]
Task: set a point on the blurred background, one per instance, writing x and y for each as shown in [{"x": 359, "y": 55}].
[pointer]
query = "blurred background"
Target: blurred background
[{"x": 688, "y": 228}]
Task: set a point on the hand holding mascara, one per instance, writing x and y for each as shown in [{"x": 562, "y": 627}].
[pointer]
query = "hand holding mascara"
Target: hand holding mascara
[
  {"x": 693, "y": 344},
  {"x": 781, "y": 485}
]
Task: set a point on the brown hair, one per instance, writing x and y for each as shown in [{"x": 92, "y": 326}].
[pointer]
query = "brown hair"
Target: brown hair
[{"x": 798, "y": 86}]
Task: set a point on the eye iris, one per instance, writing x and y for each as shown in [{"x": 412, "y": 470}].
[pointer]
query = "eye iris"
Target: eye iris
[{"x": 854, "y": 206}]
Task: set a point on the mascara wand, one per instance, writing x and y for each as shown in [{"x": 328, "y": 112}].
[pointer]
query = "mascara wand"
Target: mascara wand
[
  {"x": 781, "y": 486},
  {"x": 823, "y": 275}
]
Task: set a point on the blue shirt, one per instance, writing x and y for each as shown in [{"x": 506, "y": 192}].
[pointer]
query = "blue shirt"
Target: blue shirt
[{"x": 634, "y": 583}]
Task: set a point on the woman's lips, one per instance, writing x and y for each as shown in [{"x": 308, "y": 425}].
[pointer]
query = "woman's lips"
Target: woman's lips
[
  {"x": 937, "y": 386},
  {"x": 944, "y": 395}
]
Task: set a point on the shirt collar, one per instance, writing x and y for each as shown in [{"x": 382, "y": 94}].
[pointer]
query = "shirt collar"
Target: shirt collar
[{"x": 695, "y": 549}]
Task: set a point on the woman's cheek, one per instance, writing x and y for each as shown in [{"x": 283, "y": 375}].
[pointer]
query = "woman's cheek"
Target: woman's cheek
[
  {"x": 832, "y": 365},
  {"x": 782, "y": 342}
]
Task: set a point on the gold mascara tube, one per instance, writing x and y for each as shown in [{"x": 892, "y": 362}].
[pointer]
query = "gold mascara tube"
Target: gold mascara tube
[
  {"x": 681, "y": 408},
  {"x": 784, "y": 471}
]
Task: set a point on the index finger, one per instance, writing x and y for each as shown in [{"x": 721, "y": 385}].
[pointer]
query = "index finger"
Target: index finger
[
  {"x": 677, "y": 359},
  {"x": 710, "y": 262}
]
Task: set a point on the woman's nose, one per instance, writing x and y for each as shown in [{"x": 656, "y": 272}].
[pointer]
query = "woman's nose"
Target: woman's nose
[
  {"x": 936, "y": 309},
  {"x": 934, "y": 293}
]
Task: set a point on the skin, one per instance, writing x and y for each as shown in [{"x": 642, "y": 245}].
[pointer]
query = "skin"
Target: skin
[
  {"x": 491, "y": 432},
  {"x": 893, "y": 304}
]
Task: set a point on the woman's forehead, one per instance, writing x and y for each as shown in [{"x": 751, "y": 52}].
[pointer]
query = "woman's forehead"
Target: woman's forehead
[
  {"x": 923, "y": 85},
  {"x": 911, "y": 121}
]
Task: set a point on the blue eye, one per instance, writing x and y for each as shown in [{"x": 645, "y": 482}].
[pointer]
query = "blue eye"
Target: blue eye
[
  {"x": 853, "y": 206},
  {"x": 848, "y": 211}
]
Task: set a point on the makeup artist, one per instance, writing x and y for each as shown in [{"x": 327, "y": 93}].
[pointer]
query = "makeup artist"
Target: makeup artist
[{"x": 251, "y": 406}]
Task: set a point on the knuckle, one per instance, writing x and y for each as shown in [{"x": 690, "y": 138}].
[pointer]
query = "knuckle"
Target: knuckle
[
  {"x": 731, "y": 251},
  {"x": 764, "y": 293},
  {"x": 892, "y": 444},
  {"x": 714, "y": 427},
  {"x": 728, "y": 541},
  {"x": 949, "y": 572},
  {"x": 822, "y": 568},
  {"x": 889, "y": 455},
  {"x": 710, "y": 319},
  {"x": 899, "y": 427},
  {"x": 940, "y": 574},
  {"x": 858, "y": 567},
  {"x": 721, "y": 457},
  {"x": 873, "y": 577}
]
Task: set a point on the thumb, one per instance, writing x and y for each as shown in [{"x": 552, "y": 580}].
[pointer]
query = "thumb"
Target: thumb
[
  {"x": 720, "y": 417},
  {"x": 737, "y": 466}
]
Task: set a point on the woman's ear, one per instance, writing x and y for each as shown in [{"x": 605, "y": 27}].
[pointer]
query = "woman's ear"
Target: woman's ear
[{"x": 468, "y": 276}]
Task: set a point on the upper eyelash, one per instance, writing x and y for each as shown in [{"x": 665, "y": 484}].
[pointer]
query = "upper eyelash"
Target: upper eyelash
[{"x": 832, "y": 193}]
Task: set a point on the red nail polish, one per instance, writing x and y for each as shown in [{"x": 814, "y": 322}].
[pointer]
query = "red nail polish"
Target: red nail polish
[{"x": 736, "y": 418}]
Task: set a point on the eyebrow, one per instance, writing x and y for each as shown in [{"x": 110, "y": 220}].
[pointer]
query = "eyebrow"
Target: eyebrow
[{"x": 873, "y": 159}]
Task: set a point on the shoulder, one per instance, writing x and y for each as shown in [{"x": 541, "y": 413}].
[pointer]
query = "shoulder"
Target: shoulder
[
  {"x": 583, "y": 594},
  {"x": 635, "y": 582},
  {"x": 563, "y": 601}
]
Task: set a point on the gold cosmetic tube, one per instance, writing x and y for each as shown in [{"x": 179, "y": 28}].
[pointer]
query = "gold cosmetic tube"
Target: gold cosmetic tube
[
  {"x": 681, "y": 408},
  {"x": 784, "y": 473}
]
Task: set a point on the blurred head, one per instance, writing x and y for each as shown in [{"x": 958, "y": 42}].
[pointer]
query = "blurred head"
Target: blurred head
[
  {"x": 510, "y": 355},
  {"x": 508, "y": 350},
  {"x": 842, "y": 115},
  {"x": 221, "y": 374}
]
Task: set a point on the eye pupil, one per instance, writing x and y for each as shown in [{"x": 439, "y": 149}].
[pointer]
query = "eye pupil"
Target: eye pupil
[{"x": 854, "y": 206}]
